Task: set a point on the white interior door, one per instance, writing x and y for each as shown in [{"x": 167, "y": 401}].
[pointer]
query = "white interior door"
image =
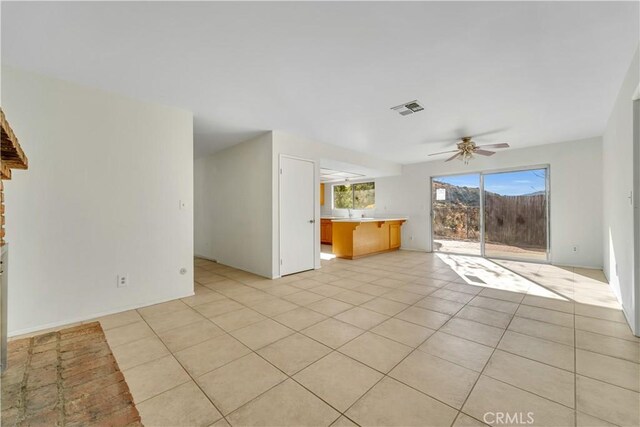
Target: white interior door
[{"x": 297, "y": 215}]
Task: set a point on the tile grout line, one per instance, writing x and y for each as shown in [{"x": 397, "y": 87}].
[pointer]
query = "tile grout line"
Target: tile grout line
[
  {"x": 414, "y": 304},
  {"x": 385, "y": 375},
  {"x": 257, "y": 354},
  {"x": 366, "y": 330},
  {"x": 185, "y": 370},
  {"x": 489, "y": 358},
  {"x": 486, "y": 363},
  {"x": 332, "y": 351},
  {"x": 451, "y": 316},
  {"x": 495, "y": 348},
  {"x": 291, "y": 377}
]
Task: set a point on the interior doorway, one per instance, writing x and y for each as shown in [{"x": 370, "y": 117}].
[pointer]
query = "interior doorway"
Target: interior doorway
[
  {"x": 297, "y": 215},
  {"x": 501, "y": 214}
]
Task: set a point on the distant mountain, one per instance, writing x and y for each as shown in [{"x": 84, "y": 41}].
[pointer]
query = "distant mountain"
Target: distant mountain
[{"x": 467, "y": 196}]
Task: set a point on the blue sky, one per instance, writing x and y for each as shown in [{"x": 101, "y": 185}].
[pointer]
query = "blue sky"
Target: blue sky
[{"x": 505, "y": 183}]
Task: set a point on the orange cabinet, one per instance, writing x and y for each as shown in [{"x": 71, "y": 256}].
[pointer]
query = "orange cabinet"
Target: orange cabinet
[
  {"x": 321, "y": 194},
  {"x": 354, "y": 239},
  {"x": 394, "y": 235},
  {"x": 326, "y": 231}
]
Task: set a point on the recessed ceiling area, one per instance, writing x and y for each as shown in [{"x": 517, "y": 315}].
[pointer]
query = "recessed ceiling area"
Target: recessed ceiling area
[
  {"x": 330, "y": 175},
  {"x": 541, "y": 72}
]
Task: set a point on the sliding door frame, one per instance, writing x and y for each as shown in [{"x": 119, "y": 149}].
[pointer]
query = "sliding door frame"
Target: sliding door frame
[
  {"x": 481, "y": 174},
  {"x": 481, "y": 213}
]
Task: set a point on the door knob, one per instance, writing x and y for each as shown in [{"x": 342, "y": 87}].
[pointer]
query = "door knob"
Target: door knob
[{"x": 311, "y": 221}]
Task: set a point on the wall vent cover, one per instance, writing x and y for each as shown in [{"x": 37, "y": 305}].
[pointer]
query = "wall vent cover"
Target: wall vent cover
[{"x": 408, "y": 108}]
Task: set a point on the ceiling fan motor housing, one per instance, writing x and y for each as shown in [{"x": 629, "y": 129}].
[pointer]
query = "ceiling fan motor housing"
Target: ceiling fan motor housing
[{"x": 466, "y": 149}]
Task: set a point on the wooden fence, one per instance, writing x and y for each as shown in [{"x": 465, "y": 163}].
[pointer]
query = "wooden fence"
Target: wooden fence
[
  {"x": 509, "y": 220},
  {"x": 456, "y": 222}
]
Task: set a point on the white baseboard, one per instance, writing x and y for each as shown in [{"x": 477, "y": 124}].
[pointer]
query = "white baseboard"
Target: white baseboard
[
  {"x": 589, "y": 267},
  {"x": 204, "y": 257},
  {"x": 627, "y": 316},
  {"x": 76, "y": 320},
  {"x": 592, "y": 267},
  {"x": 402, "y": 248}
]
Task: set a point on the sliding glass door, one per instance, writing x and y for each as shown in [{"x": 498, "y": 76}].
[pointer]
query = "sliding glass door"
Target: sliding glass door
[
  {"x": 456, "y": 214},
  {"x": 515, "y": 214},
  {"x": 494, "y": 214}
]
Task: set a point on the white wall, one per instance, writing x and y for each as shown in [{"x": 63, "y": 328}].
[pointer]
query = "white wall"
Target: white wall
[
  {"x": 293, "y": 145},
  {"x": 576, "y": 196},
  {"x": 100, "y": 198},
  {"x": 618, "y": 208},
  {"x": 233, "y": 206},
  {"x": 202, "y": 209},
  {"x": 326, "y": 209},
  {"x": 237, "y": 198}
]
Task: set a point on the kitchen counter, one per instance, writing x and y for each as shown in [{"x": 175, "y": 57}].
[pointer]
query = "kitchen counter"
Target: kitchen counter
[
  {"x": 357, "y": 237},
  {"x": 357, "y": 219}
]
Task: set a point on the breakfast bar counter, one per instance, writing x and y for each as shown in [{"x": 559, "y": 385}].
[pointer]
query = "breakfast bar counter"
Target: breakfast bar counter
[{"x": 357, "y": 237}]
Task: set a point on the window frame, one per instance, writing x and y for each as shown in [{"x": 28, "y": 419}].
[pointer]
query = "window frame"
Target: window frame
[
  {"x": 482, "y": 173},
  {"x": 353, "y": 194}
]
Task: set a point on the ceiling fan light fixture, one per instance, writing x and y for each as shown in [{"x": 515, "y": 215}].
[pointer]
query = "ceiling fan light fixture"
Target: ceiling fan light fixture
[
  {"x": 466, "y": 157},
  {"x": 466, "y": 149}
]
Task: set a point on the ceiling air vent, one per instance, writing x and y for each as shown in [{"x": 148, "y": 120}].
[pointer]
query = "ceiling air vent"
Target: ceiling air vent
[{"x": 408, "y": 108}]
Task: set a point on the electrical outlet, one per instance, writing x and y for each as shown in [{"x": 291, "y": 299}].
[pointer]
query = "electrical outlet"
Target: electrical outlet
[
  {"x": 575, "y": 249},
  {"x": 123, "y": 280}
]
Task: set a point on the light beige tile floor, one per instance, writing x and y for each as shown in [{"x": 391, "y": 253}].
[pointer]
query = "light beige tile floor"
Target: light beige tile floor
[{"x": 398, "y": 339}]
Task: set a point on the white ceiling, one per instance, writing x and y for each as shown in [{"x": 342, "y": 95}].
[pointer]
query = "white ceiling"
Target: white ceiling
[{"x": 541, "y": 71}]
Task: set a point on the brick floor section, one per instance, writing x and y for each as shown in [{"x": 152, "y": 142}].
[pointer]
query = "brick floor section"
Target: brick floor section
[{"x": 65, "y": 378}]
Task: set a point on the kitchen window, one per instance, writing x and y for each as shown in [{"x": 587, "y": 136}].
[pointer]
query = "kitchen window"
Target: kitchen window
[{"x": 355, "y": 196}]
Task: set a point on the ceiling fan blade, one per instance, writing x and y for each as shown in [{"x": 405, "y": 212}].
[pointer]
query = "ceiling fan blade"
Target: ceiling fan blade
[
  {"x": 440, "y": 141},
  {"x": 489, "y": 132},
  {"x": 443, "y": 152},
  {"x": 452, "y": 157},
  {"x": 501, "y": 145},
  {"x": 462, "y": 132},
  {"x": 484, "y": 152}
]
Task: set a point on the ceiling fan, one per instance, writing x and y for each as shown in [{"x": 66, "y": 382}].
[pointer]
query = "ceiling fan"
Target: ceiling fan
[{"x": 467, "y": 148}]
